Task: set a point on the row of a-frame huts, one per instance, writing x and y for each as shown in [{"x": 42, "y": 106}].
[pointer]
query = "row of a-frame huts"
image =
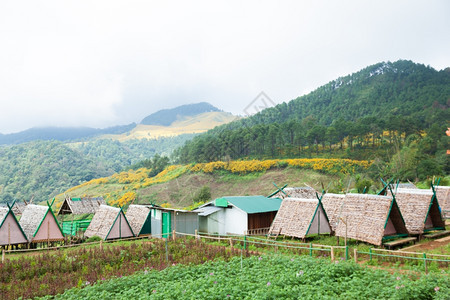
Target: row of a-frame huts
[{"x": 293, "y": 212}]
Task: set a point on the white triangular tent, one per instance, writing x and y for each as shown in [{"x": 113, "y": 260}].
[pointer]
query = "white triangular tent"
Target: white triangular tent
[{"x": 10, "y": 231}]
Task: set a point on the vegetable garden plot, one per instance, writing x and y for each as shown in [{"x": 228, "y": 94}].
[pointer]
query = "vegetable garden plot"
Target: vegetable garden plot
[{"x": 267, "y": 277}]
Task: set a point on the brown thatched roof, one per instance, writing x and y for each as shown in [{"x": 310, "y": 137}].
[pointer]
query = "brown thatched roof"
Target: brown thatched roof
[
  {"x": 105, "y": 220},
  {"x": 418, "y": 210},
  {"x": 364, "y": 217},
  {"x": 299, "y": 217},
  {"x": 79, "y": 206},
  {"x": 405, "y": 186},
  {"x": 3, "y": 212},
  {"x": 443, "y": 197},
  {"x": 137, "y": 216},
  {"x": 18, "y": 207},
  {"x": 297, "y": 192},
  {"x": 332, "y": 203}
]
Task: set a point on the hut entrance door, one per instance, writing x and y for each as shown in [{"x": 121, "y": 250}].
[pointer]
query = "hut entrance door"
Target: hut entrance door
[{"x": 166, "y": 225}]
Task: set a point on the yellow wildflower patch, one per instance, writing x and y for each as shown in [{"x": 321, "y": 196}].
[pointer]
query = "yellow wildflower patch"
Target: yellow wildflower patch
[
  {"x": 125, "y": 199},
  {"x": 333, "y": 166}
]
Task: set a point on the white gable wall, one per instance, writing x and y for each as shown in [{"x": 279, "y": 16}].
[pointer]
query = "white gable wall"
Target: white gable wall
[
  {"x": 120, "y": 229},
  {"x": 324, "y": 226},
  {"x": 48, "y": 230},
  {"x": 10, "y": 232}
]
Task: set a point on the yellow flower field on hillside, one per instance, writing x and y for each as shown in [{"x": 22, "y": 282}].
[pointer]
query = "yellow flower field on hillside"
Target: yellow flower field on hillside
[
  {"x": 333, "y": 166},
  {"x": 137, "y": 179}
]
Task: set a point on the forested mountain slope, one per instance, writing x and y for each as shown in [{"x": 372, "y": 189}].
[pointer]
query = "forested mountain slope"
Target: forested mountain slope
[
  {"x": 44, "y": 169},
  {"x": 48, "y": 161},
  {"x": 384, "y": 90},
  {"x": 377, "y": 107}
]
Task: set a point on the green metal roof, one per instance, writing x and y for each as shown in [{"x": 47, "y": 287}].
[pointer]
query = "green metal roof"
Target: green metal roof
[{"x": 254, "y": 204}]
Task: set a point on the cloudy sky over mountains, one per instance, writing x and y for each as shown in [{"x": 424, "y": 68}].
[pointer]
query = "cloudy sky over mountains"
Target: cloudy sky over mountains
[{"x": 104, "y": 63}]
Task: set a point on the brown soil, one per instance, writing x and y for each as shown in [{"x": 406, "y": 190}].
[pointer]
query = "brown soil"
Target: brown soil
[{"x": 429, "y": 245}]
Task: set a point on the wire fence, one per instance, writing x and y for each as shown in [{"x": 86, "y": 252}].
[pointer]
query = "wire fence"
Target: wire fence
[
  {"x": 342, "y": 252},
  {"x": 244, "y": 242}
]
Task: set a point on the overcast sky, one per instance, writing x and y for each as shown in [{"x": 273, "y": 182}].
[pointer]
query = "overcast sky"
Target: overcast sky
[{"x": 104, "y": 63}]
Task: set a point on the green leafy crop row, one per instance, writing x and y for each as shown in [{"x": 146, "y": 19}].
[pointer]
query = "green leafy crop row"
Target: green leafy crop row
[{"x": 265, "y": 277}]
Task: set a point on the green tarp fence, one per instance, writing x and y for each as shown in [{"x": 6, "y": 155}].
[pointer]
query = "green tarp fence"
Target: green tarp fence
[{"x": 72, "y": 227}]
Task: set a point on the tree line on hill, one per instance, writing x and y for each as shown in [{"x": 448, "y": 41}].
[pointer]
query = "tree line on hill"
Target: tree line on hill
[{"x": 383, "y": 112}]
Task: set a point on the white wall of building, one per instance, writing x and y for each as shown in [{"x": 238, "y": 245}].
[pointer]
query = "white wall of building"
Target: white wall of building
[{"x": 235, "y": 222}]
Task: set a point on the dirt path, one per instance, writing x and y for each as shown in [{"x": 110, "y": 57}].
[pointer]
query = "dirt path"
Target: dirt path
[{"x": 430, "y": 245}]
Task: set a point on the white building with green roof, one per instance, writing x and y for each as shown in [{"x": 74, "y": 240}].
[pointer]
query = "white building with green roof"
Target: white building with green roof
[{"x": 238, "y": 215}]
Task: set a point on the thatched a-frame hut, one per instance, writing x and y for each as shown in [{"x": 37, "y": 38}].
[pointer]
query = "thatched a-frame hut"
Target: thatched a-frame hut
[
  {"x": 10, "y": 231},
  {"x": 40, "y": 225},
  {"x": 370, "y": 218},
  {"x": 109, "y": 223},
  {"x": 79, "y": 206},
  {"x": 420, "y": 209},
  {"x": 296, "y": 192},
  {"x": 139, "y": 217},
  {"x": 333, "y": 203},
  {"x": 299, "y": 218},
  {"x": 443, "y": 197}
]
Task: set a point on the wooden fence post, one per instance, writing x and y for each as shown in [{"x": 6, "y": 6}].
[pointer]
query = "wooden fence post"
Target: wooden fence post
[
  {"x": 231, "y": 242},
  {"x": 332, "y": 253},
  {"x": 3, "y": 256},
  {"x": 355, "y": 254},
  {"x": 174, "y": 235},
  {"x": 101, "y": 245},
  {"x": 196, "y": 234},
  {"x": 245, "y": 242}
]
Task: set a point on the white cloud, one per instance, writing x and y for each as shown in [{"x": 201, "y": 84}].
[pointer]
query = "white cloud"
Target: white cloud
[{"x": 102, "y": 63}]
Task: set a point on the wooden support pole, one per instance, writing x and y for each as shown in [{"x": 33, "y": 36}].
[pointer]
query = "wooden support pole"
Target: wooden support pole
[
  {"x": 196, "y": 234},
  {"x": 231, "y": 242},
  {"x": 332, "y": 253},
  {"x": 174, "y": 235},
  {"x": 48, "y": 235},
  {"x": 3, "y": 256},
  {"x": 101, "y": 245},
  {"x": 355, "y": 254}
]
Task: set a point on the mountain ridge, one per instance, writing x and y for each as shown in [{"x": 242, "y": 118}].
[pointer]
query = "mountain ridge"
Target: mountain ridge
[
  {"x": 165, "y": 117},
  {"x": 65, "y": 134}
]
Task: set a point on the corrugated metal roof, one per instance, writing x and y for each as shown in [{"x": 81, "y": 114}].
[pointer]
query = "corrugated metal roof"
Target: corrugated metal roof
[
  {"x": 254, "y": 204},
  {"x": 207, "y": 210}
]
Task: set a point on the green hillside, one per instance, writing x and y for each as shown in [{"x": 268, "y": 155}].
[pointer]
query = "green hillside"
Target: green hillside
[
  {"x": 372, "y": 114},
  {"x": 186, "y": 185},
  {"x": 60, "y": 158},
  {"x": 43, "y": 169}
]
